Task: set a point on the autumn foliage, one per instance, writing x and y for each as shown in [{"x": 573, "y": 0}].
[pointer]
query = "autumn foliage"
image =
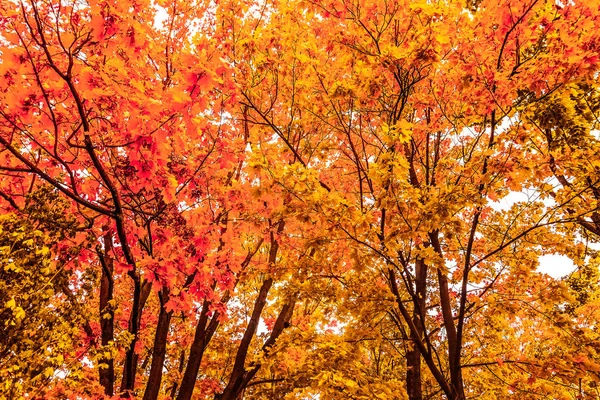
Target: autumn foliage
[{"x": 303, "y": 199}]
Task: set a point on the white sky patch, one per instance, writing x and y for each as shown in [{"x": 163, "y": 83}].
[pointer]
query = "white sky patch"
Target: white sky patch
[
  {"x": 160, "y": 17},
  {"x": 262, "y": 328},
  {"x": 594, "y": 245},
  {"x": 557, "y": 266},
  {"x": 508, "y": 201},
  {"x": 507, "y": 123}
]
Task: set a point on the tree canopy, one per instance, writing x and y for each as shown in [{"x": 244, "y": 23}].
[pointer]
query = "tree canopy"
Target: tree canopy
[{"x": 340, "y": 199}]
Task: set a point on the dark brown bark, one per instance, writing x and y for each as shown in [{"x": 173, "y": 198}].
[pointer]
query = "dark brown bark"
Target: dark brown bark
[
  {"x": 448, "y": 320},
  {"x": 201, "y": 338},
  {"x": 425, "y": 353},
  {"x": 237, "y": 374},
  {"x": 130, "y": 357},
  {"x": 106, "y": 375},
  {"x": 160, "y": 349},
  {"x": 140, "y": 295},
  {"x": 413, "y": 356},
  {"x": 453, "y": 343}
]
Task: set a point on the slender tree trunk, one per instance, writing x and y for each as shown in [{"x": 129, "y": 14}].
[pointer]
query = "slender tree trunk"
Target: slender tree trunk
[
  {"x": 196, "y": 353},
  {"x": 448, "y": 317},
  {"x": 425, "y": 353},
  {"x": 130, "y": 366},
  {"x": 237, "y": 374},
  {"x": 141, "y": 292},
  {"x": 413, "y": 370},
  {"x": 413, "y": 356},
  {"x": 159, "y": 350},
  {"x": 106, "y": 375},
  {"x": 453, "y": 345}
]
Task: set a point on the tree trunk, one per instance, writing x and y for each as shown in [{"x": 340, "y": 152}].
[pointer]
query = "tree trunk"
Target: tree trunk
[
  {"x": 201, "y": 339},
  {"x": 451, "y": 333},
  {"x": 413, "y": 356},
  {"x": 106, "y": 375},
  {"x": 237, "y": 374},
  {"x": 159, "y": 350},
  {"x": 141, "y": 292}
]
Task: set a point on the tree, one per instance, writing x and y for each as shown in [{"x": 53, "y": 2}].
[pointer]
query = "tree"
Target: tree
[
  {"x": 386, "y": 153},
  {"x": 238, "y": 178},
  {"x": 127, "y": 117}
]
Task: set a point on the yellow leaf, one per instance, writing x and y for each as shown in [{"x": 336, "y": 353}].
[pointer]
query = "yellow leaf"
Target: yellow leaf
[
  {"x": 19, "y": 313},
  {"x": 10, "y": 304},
  {"x": 443, "y": 39}
]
